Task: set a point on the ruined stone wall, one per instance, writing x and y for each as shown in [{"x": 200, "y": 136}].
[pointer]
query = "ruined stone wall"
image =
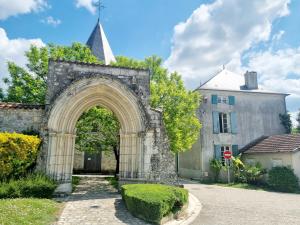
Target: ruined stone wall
[{"x": 18, "y": 120}]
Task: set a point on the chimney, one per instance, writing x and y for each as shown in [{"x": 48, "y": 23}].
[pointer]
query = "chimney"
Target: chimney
[{"x": 251, "y": 80}]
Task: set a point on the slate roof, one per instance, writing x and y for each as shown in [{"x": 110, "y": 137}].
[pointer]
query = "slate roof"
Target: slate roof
[
  {"x": 5, "y": 105},
  {"x": 99, "y": 45},
  {"x": 273, "y": 144},
  {"x": 229, "y": 81}
]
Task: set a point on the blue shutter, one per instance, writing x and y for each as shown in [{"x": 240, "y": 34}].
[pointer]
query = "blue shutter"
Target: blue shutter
[
  {"x": 233, "y": 122},
  {"x": 214, "y": 99},
  {"x": 216, "y": 124},
  {"x": 218, "y": 154},
  {"x": 235, "y": 150},
  {"x": 231, "y": 100}
]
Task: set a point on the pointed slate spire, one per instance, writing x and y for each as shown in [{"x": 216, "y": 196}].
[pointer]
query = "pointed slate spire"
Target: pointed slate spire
[{"x": 99, "y": 45}]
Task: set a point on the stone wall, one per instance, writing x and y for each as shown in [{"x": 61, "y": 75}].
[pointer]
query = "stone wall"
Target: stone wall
[
  {"x": 20, "y": 119},
  {"x": 76, "y": 87}
]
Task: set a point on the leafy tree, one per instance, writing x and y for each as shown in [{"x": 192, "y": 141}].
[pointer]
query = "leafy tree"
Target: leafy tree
[
  {"x": 167, "y": 89},
  {"x": 298, "y": 121},
  {"x": 98, "y": 131},
  {"x": 286, "y": 122},
  {"x": 178, "y": 104},
  {"x": 29, "y": 85}
]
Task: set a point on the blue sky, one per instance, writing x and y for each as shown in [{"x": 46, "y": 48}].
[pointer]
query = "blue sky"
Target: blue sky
[{"x": 194, "y": 37}]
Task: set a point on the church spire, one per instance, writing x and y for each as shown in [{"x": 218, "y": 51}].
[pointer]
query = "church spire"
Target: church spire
[{"x": 98, "y": 43}]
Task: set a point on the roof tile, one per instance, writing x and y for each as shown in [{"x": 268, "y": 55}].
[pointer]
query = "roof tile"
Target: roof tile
[{"x": 276, "y": 143}]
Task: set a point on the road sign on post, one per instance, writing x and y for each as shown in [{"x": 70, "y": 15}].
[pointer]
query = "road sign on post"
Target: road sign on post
[{"x": 227, "y": 156}]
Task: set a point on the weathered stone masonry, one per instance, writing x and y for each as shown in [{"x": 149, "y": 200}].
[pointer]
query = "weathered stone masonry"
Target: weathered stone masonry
[{"x": 74, "y": 88}]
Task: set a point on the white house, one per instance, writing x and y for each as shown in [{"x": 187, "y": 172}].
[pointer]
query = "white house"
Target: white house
[
  {"x": 276, "y": 150},
  {"x": 234, "y": 112}
]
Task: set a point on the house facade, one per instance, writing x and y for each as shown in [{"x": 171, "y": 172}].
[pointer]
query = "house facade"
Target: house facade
[
  {"x": 234, "y": 112},
  {"x": 276, "y": 150}
]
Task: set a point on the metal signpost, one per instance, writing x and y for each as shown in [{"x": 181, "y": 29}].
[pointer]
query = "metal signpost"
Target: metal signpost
[{"x": 227, "y": 156}]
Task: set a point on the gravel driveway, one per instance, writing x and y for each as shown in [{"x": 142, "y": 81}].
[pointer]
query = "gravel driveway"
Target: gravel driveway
[{"x": 233, "y": 206}]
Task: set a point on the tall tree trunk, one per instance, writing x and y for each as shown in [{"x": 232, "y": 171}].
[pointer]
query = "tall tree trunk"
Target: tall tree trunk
[{"x": 117, "y": 157}]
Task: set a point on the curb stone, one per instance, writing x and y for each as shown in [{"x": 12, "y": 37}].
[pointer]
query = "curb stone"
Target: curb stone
[{"x": 193, "y": 211}]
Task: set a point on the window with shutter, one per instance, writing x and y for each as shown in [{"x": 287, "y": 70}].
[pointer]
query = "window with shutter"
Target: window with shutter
[
  {"x": 235, "y": 150},
  {"x": 233, "y": 122},
  {"x": 216, "y": 124},
  {"x": 231, "y": 100},
  {"x": 218, "y": 154},
  {"x": 214, "y": 99}
]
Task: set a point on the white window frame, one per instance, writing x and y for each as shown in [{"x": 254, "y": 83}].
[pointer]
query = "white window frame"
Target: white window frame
[
  {"x": 224, "y": 123},
  {"x": 223, "y": 100}
]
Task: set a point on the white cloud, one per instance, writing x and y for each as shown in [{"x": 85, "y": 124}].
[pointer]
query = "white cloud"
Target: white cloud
[
  {"x": 88, "y": 4},
  {"x": 282, "y": 64},
  {"x": 13, "y": 50},
  {"x": 14, "y": 7},
  {"x": 219, "y": 33},
  {"x": 51, "y": 21}
]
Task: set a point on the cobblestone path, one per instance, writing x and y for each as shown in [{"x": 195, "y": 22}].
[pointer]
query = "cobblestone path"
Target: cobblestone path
[{"x": 95, "y": 201}]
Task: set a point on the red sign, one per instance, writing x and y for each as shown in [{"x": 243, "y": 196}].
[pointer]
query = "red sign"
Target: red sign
[{"x": 227, "y": 154}]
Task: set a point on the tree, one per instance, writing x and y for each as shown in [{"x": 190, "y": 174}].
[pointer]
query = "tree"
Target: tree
[
  {"x": 178, "y": 104},
  {"x": 167, "y": 89},
  {"x": 98, "y": 131},
  {"x": 298, "y": 121},
  {"x": 28, "y": 85},
  {"x": 286, "y": 122}
]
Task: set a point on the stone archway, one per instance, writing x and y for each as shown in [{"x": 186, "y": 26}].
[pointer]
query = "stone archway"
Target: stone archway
[{"x": 74, "y": 88}]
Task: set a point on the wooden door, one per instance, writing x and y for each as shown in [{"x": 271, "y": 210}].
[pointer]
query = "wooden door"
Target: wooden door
[{"x": 92, "y": 162}]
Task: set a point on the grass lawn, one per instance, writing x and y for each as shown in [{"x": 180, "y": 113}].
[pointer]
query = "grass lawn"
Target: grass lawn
[{"x": 28, "y": 211}]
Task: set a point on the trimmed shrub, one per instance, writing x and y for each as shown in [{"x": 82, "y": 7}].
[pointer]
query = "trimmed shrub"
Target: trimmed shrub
[
  {"x": 152, "y": 202},
  {"x": 18, "y": 153},
  {"x": 34, "y": 185},
  {"x": 283, "y": 179}
]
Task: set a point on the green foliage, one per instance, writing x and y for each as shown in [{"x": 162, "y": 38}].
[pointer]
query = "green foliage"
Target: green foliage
[
  {"x": 298, "y": 121},
  {"x": 75, "y": 182},
  {"x": 34, "y": 185},
  {"x": 283, "y": 179},
  {"x": 29, "y": 85},
  {"x": 31, "y": 131},
  {"x": 28, "y": 211},
  {"x": 97, "y": 130},
  {"x": 253, "y": 174},
  {"x": 216, "y": 166},
  {"x": 167, "y": 90},
  {"x": 238, "y": 166},
  {"x": 18, "y": 153},
  {"x": 152, "y": 202},
  {"x": 286, "y": 122},
  {"x": 244, "y": 173},
  {"x": 178, "y": 104},
  {"x": 113, "y": 181}
]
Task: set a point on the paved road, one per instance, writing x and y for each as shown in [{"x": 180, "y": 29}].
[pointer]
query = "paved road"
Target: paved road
[
  {"x": 233, "y": 206},
  {"x": 95, "y": 202}
]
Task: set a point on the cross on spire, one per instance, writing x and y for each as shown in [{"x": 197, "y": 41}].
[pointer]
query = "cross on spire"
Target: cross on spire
[{"x": 100, "y": 7}]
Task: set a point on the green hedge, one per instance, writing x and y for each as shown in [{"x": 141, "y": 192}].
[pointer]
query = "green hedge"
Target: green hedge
[
  {"x": 283, "y": 179},
  {"x": 152, "y": 202},
  {"x": 18, "y": 153},
  {"x": 34, "y": 185}
]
